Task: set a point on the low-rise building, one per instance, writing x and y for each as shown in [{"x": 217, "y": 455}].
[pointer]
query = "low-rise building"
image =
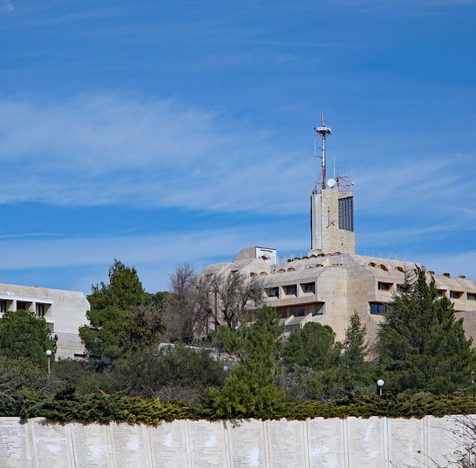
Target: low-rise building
[
  {"x": 331, "y": 283},
  {"x": 64, "y": 312},
  {"x": 328, "y": 288}
]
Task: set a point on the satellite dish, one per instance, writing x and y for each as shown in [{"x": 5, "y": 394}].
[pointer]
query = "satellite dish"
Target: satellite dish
[{"x": 331, "y": 182}]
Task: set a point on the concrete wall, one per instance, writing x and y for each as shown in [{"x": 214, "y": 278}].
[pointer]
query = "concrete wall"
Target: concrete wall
[
  {"x": 65, "y": 311},
  {"x": 334, "y": 443},
  {"x": 326, "y": 237}
]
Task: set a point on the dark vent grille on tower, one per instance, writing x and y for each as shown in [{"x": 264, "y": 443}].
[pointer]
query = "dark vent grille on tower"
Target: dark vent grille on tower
[{"x": 346, "y": 213}]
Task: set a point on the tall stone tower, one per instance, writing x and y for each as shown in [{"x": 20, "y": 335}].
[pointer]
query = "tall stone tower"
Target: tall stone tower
[{"x": 332, "y": 209}]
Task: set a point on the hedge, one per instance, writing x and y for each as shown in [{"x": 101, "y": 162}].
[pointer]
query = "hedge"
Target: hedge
[{"x": 104, "y": 408}]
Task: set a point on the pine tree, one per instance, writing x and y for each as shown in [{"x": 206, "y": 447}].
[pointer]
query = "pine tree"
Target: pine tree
[
  {"x": 422, "y": 345},
  {"x": 355, "y": 348},
  {"x": 250, "y": 389},
  {"x": 123, "y": 317}
]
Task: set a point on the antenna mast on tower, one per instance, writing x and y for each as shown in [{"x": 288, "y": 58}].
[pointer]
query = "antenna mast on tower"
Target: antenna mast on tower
[{"x": 323, "y": 131}]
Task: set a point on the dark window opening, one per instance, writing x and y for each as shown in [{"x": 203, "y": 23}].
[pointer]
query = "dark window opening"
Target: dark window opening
[
  {"x": 272, "y": 292},
  {"x": 40, "y": 310},
  {"x": 301, "y": 311},
  {"x": 471, "y": 297},
  {"x": 384, "y": 286},
  {"x": 298, "y": 311},
  {"x": 346, "y": 213},
  {"x": 455, "y": 294},
  {"x": 290, "y": 290},
  {"x": 21, "y": 305},
  {"x": 400, "y": 288},
  {"x": 377, "y": 308},
  {"x": 316, "y": 309},
  {"x": 309, "y": 288},
  {"x": 283, "y": 313},
  {"x": 441, "y": 292}
]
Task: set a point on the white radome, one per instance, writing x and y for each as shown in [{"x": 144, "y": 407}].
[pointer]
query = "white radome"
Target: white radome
[{"x": 331, "y": 182}]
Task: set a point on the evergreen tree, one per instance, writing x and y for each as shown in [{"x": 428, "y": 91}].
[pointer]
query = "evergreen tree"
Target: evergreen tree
[
  {"x": 123, "y": 317},
  {"x": 312, "y": 346},
  {"x": 250, "y": 389},
  {"x": 422, "y": 345},
  {"x": 355, "y": 348},
  {"x": 23, "y": 335}
]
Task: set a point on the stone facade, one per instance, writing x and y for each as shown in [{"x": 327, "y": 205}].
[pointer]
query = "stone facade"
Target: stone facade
[
  {"x": 328, "y": 288},
  {"x": 332, "y": 221},
  {"x": 332, "y": 282},
  {"x": 64, "y": 312}
]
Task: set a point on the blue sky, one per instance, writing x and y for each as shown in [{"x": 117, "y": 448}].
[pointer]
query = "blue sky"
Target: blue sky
[{"x": 159, "y": 132}]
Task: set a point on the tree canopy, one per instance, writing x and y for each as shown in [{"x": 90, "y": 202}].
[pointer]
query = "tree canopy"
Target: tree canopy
[
  {"x": 251, "y": 387},
  {"x": 123, "y": 317},
  {"x": 355, "y": 348},
  {"x": 23, "y": 335},
  {"x": 197, "y": 300},
  {"x": 312, "y": 346},
  {"x": 422, "y": 345}
]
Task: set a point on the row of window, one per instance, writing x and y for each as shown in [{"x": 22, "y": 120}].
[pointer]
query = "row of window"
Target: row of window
[
  {"x": 383, "y": 286},
  {"x": 291, "y": 290},
  {"x": 40, "y": 308},
  {"x": 301, "y": 310}
]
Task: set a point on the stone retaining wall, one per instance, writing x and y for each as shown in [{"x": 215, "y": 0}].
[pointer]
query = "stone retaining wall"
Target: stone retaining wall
[{"x": 334, "y": 443}]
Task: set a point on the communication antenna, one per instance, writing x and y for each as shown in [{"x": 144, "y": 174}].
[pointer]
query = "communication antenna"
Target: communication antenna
[{"x": 323, "y": 131}]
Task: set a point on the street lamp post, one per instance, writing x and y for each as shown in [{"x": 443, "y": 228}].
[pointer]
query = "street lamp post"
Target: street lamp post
[
  {"x": 380, "y": 383},
  {"x": 48, "y": 355}
]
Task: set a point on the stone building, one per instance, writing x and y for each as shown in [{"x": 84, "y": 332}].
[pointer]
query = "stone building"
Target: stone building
[
  {"x": 331, "y": 283},
  {"x": 63, "y": 311}
]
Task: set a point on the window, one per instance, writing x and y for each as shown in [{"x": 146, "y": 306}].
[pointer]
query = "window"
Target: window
[
  {"x": 3, "y": 306},
  {"x": 455, "y": 294},
  {"x": 21, "y": 305},
  {"x": 290, "y": 290},
  {"x": 384, "y": 286},
  {"x": 309, "y": 288},
  {"x": 471, "y": 296},
  {"x": 297, "y": 311},
  {"x": 441, "y": 292},
  {"x": 315, "y": 309},
  {"x": 272, "y": 292},
  {"x": 400, "y": 288},
  {"x": 346, "y": 213},
  {"x": 40, "y": 310},
  {"x": 377, "y": 308},
  {"x": 283, "y": 312}
]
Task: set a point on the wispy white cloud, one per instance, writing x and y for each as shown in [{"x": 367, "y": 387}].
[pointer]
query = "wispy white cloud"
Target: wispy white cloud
[
  {"x": 415, "y": 186},
  {"x": 7, "y": 5},
  {"x": 155, "y": 256},
  {"x": 103, "y": 149},
  {"x": 107, "y": 149}
]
